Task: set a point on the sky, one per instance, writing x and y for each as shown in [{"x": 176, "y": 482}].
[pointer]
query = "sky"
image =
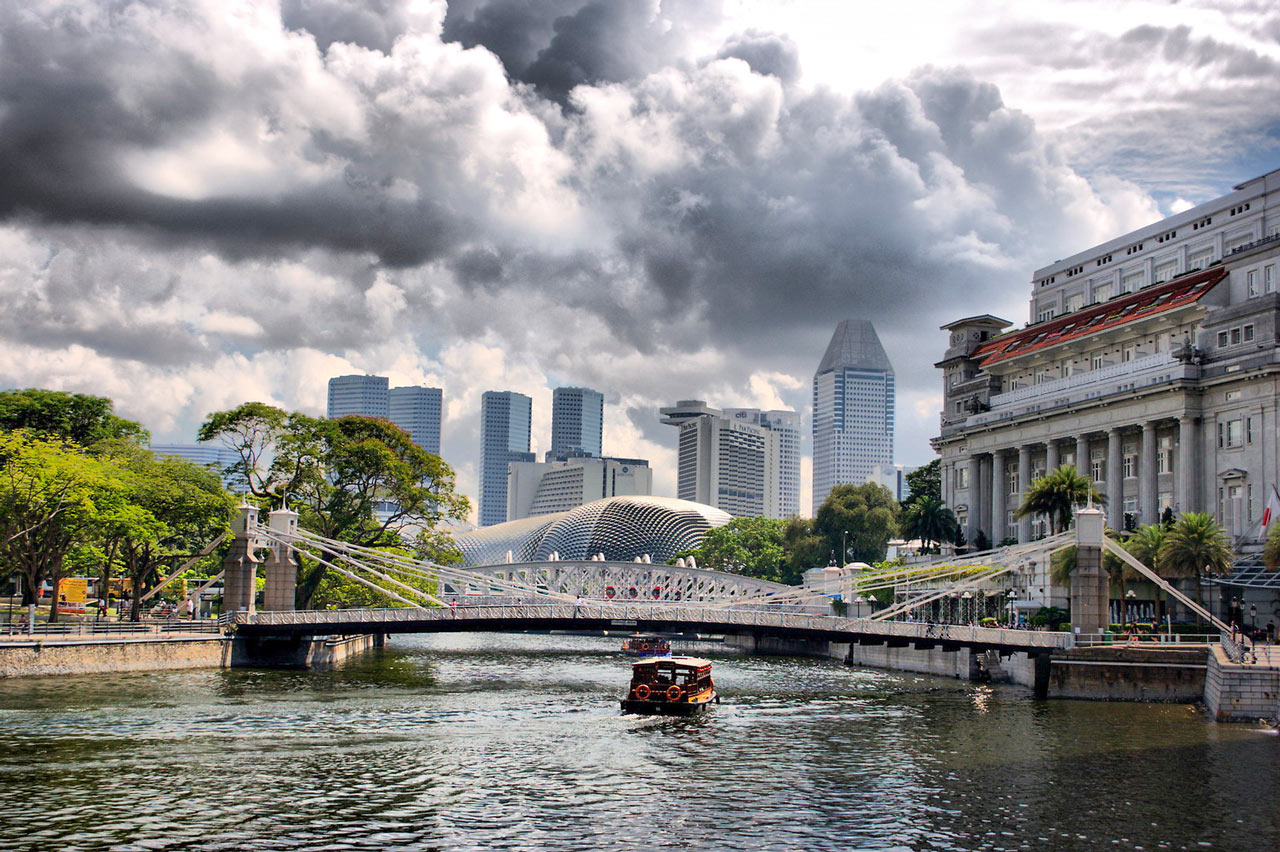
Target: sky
[{"x": 204, "y": 202}]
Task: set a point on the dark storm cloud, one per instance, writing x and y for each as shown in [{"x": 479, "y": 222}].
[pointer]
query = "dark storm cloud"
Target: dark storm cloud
[
  {"x": 369, "y": 23},
  {"x": 767, "y": 53},
  {"x": 516, "y": 31}
]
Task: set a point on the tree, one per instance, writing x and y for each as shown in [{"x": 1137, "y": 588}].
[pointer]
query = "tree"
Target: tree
[
  {"x": 51, "y": 501},
  {"x": 1196, "y": 544},
  {"x": 1271, "y": 550},
  {"x": 356, "y": 479},
  {"x": 1144, "y": 545},
  {"x": 805, "y": 549},
  {"x": 1062, "y": 564},
  {"x": 929, "y": 520},
  {"x": 753, "y": 547},
  {"x": 75, "y": 417},
  {"x": 174, "y": 509},
  {"x": 1055, "y": 494},
  {"x": 861, "y": 518},
  {"x": 925, "y": 481}
]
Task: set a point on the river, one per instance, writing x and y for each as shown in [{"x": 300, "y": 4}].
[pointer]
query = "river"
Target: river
[{"x": 478, "y": 742}]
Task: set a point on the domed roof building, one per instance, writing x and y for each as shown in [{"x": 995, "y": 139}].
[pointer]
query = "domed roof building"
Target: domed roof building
[{"x": 621, "y": 528}]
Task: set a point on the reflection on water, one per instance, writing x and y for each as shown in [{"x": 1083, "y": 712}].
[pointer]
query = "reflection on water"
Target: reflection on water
[{"x": 515, "y": 742}]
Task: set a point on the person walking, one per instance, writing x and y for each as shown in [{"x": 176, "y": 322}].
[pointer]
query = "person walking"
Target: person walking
[{"x": 1271, "y": 632}]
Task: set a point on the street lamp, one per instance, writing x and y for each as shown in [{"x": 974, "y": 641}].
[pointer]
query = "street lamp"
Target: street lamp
[
  {"x": 844, "y": 550},
  {"x": 967, "y": 605},
  {"x": 1129, "y": 597}
]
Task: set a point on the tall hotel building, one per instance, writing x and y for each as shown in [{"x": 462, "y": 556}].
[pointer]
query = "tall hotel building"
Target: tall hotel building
[
  {"x": 853, "y": 409},
  {"x": 416, "y": 410},
  {"x": 505, "y": 421},
  {"x": 577, "y": 421},
  {"x": 742, "y": 460},
  {"x": 1150, "y": 362}
]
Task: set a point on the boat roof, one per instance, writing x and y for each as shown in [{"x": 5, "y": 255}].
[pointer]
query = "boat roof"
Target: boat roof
[{"x": 691, "y": 662}]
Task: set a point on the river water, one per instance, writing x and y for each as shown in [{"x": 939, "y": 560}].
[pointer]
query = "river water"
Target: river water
[{"x": 478, "y": 742}]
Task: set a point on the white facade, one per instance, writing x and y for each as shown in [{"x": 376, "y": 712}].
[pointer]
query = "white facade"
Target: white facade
[
  {"x": 1152, "y": 365},
  {"x": 742, "y": 460},
  {"x": 543, "y": 488},
  {"x": 854, "y": 396}
]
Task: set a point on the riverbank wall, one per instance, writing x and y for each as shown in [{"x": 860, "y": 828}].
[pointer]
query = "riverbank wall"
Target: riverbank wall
[
  {"x": 1242, "y": 692},
  {"x": 43, "y": 657}
]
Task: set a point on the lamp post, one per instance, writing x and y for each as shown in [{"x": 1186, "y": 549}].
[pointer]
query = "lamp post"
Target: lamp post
[
  {"x": 1128, "y": 599},
  {"x": 966, "y": 606},
  {"x": 844, "y": 550}
]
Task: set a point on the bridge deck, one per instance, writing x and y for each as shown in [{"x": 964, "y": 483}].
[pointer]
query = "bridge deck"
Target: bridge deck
[{"x": 647, "y": 617}]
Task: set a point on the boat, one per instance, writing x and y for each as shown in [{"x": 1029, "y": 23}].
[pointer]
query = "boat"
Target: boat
[
  {"x": 670, "y": 686},
  {"x": 643, "y": 645}
]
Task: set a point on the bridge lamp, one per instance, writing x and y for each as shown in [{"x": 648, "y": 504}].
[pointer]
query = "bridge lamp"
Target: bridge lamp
[{"x": 967, "y": 606}]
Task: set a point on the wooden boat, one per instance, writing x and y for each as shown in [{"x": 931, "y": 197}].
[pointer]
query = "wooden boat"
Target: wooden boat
[
  {"x": 642, "y": 645},
  {"x": 670, "y": 686}
]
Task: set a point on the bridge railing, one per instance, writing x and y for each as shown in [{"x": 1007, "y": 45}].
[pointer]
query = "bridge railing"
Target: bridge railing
[
  {"x": 629, "y": 614},
  {"x": 18, "y": 630}
]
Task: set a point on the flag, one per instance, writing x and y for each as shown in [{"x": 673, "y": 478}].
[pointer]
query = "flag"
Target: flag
[{"x": 1273, "y": 508}]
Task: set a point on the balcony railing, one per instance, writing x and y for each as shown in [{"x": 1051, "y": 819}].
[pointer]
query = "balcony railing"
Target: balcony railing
[{"x": 1114, "y": 378}]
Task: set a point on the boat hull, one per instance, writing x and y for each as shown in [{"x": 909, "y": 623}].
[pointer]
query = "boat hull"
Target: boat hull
[{"x": 668, "y": 708}]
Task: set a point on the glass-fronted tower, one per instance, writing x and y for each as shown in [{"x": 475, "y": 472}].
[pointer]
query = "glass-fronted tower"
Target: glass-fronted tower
[
  {"x": 366, "y": 396},
  {"x": 416, "y": 410},
  {"x": 577, "y": 423},
  {"x": 853, "y": 405},
  {"x": 505, "y": 419}
]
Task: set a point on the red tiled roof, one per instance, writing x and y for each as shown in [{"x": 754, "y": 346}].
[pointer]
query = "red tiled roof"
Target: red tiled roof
[{"x": 1181, "y": 291}]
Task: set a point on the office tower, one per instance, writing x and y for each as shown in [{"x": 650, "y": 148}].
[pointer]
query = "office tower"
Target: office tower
[
  {"x": 543, "y": 488},
  {"x": 212, "y": 456},
  {"x": 742, "y": 460},
  {"x": 504, "y": 438},
  {"x": 853, "y": 402},
  {"x": 577, "y": 419},
  {"x": 363, "y": 395},
  {"x": 416, "y": 410}
]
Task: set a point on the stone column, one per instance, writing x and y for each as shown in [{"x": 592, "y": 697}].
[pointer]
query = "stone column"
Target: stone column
[
  {"x": 1051, "y": 455},
  {"x": 1186, "y": 472},
  {"x": 282, "y": 572},
  {"x": 1024, "y": 482},
  {"x": 1082, "y": 456},
  {"x": 1148, "y": 498},
  {"x": 999, "y": 492},
  {"x": 1115, "y": 480},
  {"x": 240, "y": 565},
  {"x": 986, "y": 493},
  {"x": 975, "y": 501},
  {"x": 1090, "y": 612}
]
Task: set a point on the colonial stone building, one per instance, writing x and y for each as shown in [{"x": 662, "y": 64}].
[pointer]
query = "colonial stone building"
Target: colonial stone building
[{"x": 1151, "y": 362}]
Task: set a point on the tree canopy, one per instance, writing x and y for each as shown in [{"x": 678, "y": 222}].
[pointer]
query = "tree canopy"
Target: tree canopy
[
  {"x": 925, "y": 481},
  {"x": 1055, "y": 494},
  {"x": 74, "y": 417},
  {"x": 861, "y": 518}
]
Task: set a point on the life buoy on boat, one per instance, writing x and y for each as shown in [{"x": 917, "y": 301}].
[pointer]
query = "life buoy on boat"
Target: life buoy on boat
[
  {"x": 643, "y": 691},
  {"x": 674, "y": 692},
  {"x": 610, "y": 592}
]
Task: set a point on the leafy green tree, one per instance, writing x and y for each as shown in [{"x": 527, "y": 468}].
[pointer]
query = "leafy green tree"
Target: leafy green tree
[
  {"x": 805, "y": 549},
  {"x": 356, "y": 479},
  {"x": 1144, "y": 545},
  {"x": 1055, "y": 494},
  {"x": 52, "y": 500},
  {"x": 861, "y": 518},
  {"x": 753, "y": 547},
  {"x": 1196, "y": 544},
  {"x": 174, "y": 509},
  {"x": 929, "y": 520},
  {"x": 925, "y": 481},
  {"x": 74, "y": 417}
]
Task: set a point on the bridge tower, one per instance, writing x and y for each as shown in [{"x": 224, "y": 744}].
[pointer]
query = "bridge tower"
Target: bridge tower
[
  {"x": 1090, "y": 586},
  {"x": 240, "y": 564},
  {"x": 282, "y": 571}
]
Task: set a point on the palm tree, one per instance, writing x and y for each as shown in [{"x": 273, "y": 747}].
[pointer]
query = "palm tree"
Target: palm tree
[
  {"x": 1055, "y": 494},
  {"x": 1144, "y": 545},
  {"x": 1062, "y": 564},
  {"x": 929, "y": 520},
  {"x": 1196, "y": 544}
]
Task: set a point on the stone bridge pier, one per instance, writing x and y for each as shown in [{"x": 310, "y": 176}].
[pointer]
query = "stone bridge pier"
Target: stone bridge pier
[{"x": 241, "y": 563}]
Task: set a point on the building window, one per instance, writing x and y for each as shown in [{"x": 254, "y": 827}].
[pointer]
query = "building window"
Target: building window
[
  {"x": 1200, "y": 260},
  {"x": 1164, "y": 455},
  {"x": 1248, "y": 333},
  {"x": 1248, "y": 430},
  {"x": 1097, "y": 362},
  {"x": 1251, "y": 282},
  {"x": 1166, "y": 271},
  {"x": 1097, "y": 466},
  {"x": 1068, "y": 459},
  {"x": 1222, "y": 339},
  {"x": 1011, "y": 479},
  {"x": 1230, "y": 433},
  {"x": 1131, "y": 283},
  {"x": 1074, "y": 302},
  {"x": 1102, "y": 293},
  {"x": 1235, "y": 336},
  {"x": 962, "y": 477},
  {"x": 1130, "y": 464},
  {"x": 1269, "y": 279}
]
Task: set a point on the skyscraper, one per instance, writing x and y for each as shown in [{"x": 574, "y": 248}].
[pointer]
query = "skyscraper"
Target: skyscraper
[
  {"x": 505, "y": 419},
  {"x": 416, "y": 410},
  {"x": 742, "y": 460},
  {"x": 366, "y": 396},
  {"x": 853, "y": 403},
  {"x": 577, "y": 418}
]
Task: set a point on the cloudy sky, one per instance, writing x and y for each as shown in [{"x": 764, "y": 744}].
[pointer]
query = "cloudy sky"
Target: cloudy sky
[{"x": 209, "y": 201}]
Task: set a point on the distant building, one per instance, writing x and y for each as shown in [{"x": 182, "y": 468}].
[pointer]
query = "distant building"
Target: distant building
[
  {"x": 894, "y": 478},
  {"x": 505, "y": 420},
  {"x": 853, "y": 409},
  {"x": 577, "y": 423},
  {"x": 543, "y": 488},
  {"x": 366, "y": 396},
  {"x": 214, "y": 457},
  {"x": 417, "y": 410},
  {"x": 742, "y": 460}
]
